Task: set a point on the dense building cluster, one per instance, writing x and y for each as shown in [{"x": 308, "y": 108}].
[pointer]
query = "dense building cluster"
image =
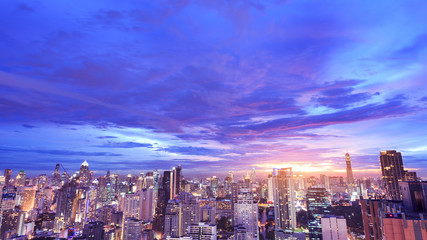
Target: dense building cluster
[{"x": 167, "y": 205}]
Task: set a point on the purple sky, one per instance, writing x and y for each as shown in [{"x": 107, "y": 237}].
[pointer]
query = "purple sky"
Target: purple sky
[{"x": 212, "y": 85}]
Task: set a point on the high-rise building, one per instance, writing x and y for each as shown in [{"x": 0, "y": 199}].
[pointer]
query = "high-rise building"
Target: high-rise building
[
  {"x": 246, "y": 214},
  {"x": 10, "y": 221},
  {"x": 370, "y": 216},
  {"x": 7, "y": 176},
  {"x": 190, "y": 206},
  {"x": 131, "y": 205},
  {"x": 214, "y": 185},
  {"x": 334, "y": 228},
  {"x": 173, "y": 219},
  {"x": 231, "y": 175},
  {"x": 64, "y": 204},
  {"x": 147, "y": 204},
  {"x": 8, "y": 198},
  {"x": 203, "y": 231},
  {"x": 56, "y": 176},
  {"x": 284, "y": 198},
  {"x": 270, "y": 189},
  {"x": 28, "y": 196},
  {"x": 318, "y": 205},
  {"x": 84, "y": 174},
  {"x": 20, "y": 179},
  {"x": 176, "y": 185},
  {"x": 350, "y": 178},
  {"x": 392, "y": 173}
]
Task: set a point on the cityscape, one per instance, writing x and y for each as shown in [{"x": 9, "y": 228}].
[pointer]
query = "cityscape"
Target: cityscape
[
  {"x": 168, "y": 205},
  {"x": 213, "y": 119}
]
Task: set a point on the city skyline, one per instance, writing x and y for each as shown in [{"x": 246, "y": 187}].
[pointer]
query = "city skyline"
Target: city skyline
[{"x": 215, "y": 87}]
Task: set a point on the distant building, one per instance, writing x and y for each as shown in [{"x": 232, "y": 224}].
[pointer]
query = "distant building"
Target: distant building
[
  {"x": 20, "y": 179},
  {"x": 85, "y": 176},
  {"x": 7, "y": 176},
  {"x": 334, "y": 228},
  {"x": 350, "y": 178},
  {"x": 392, "y": 173}
]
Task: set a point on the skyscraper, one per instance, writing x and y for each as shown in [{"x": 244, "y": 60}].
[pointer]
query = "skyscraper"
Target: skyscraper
[
  {"x": 84, "y": 174},
  {"x": 7, "y": 176},
  {"x": 318, "y": 205},
  {"x": 246, "y": 214},
  {"x": 284, "y": 198},
  {"x": 350, "y": 179},
  {"x": 176, "y": 184},
  {"x": 28, "y": 196},
  {"x": 392, "y": 173},
  {"x": 20, "y": 179},
  {"x": 173, "y": 219},
  {"x": 56, "y": 176}
]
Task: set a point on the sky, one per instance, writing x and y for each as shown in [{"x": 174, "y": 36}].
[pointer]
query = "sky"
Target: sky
[{"x": 215, "y": 86}]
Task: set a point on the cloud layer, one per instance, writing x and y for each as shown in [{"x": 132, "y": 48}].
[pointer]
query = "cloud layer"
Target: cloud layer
[{"x": 211, "y": 85}]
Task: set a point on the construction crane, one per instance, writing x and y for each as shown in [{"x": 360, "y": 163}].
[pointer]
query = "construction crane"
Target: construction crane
[{"x": 65, "y": 171}]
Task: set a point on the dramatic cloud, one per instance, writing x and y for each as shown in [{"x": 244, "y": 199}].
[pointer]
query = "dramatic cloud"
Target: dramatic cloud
[{"x": 213, "y": 85}]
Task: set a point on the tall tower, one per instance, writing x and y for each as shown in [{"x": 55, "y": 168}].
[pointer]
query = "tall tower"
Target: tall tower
[
  {"x": 284, "y": 198},
  {"x": 7, "y": 175},
  {"x": 176, "y": 181},
  {"x": 56, "y": 176},
  {"x": 392, "y": 173},
  {"x": 350, "y": 179},
  {"x": 84, "y": 174}
]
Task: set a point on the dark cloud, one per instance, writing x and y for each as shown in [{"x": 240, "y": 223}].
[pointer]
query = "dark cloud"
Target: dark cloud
[
  {"x": 106, "y": 137},
  {"x": 28, "y": 126},
  {"x": 125, "y": 145}
]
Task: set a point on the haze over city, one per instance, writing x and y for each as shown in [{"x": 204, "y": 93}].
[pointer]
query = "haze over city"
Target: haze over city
[{"x": 215, "y": 86}]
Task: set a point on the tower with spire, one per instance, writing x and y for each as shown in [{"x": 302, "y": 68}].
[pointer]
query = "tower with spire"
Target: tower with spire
[
  {"x": 84, "y": 174},
  {"x": 350, "y": 179}
]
